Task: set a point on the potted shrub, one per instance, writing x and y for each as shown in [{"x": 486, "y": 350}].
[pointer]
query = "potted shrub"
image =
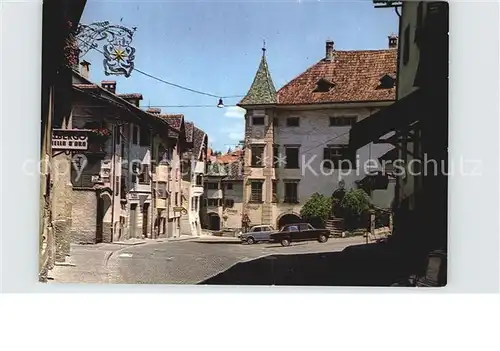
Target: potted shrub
[{"x": 355, "y": 206}]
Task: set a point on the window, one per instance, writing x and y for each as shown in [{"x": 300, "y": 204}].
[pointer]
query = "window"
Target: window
[
  {"x": 87, "y": 177},
  {"x": 256, "y": 191},
  {"x": 257, "y": 155},
  {"x": 292, "y": 157},
  {"x": 275, "y": 191},
  {"x": 145, "y": 137},
  {"x": 144, "y": 175},
  {"x": 276, "y": 156},
  {"x": 229, "y": 186},
  {"x": 176, "y": 198},
  {"x": 291, "y": 195},
  {"x": 228, "y": 203},
  {"x": 123, "y": 187},
  {"x": 135, "y": 134},
  {"x": 387, "y": 82},
  {"x": 162, "y": 190},
  {"x": 293, "y": 122},
  {"x": 406, "y": 47},
  {"x": 212, "y": 186},
  {"x": 341, "y": 157},
  {"x": 199, "y": 180},
  {"x": 213, "y": 202},
  {"x": 304, "y": 226},
  {"x": 323, "y": 86},
  {"x": 258, "y": 121},
  {"x": 342, "y": 121}
]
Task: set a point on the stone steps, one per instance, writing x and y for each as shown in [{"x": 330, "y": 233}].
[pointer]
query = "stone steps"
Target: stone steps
[{"x": 335, "y": 226}]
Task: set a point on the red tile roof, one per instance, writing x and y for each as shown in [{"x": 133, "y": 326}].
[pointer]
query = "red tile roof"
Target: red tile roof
[
  {"x": 355, "y": 76},
  {"x": 199, "y": 140},
  {"x": 131, "y": 96},
  {"x": 174, "y": 121},
  {"x": 153, "y": 110},
  {"x": 189, "y": 131},
  {"x": 85, "y": 86}
]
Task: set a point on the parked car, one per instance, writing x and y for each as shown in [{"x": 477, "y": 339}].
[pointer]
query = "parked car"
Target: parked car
[
  {"x": 299, "y": 232},
  {"x": 257, "y": 234}
]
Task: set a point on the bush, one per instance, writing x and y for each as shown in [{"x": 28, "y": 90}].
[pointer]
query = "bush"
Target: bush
[
  {"x": 355, "y": 206},
  {"x": 317, "y": 209}
]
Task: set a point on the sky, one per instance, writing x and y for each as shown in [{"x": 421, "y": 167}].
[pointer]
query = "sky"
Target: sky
[{"x": 216, "y": 47}]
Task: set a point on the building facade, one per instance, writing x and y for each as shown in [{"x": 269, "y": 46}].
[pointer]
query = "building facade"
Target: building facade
[
  {"x": 193, "y": 172},
  {"x": 111, "y": 180},
  {"x": 174, "y": 208},
  {"x": 296, "y": 139},
  {"x": 224, "y": 193},
  {"x": 60, "y": 19},
  {"x": 419, "y": 119}
]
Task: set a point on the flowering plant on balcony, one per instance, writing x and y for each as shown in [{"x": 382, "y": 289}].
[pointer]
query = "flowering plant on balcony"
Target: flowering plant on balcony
[{"x": 98, "y": 137}]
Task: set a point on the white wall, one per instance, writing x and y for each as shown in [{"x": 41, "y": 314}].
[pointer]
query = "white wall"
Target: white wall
[
  {"x": 234, "y": 214},
  {"x": 313, "y": 135}
]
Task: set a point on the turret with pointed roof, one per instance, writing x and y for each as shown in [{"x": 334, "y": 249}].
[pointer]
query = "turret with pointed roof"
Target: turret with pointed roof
[{"x": 262, "y": 90}]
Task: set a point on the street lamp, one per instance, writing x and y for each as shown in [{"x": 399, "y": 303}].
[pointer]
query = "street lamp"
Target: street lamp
[{"x": 220, "y": 104}]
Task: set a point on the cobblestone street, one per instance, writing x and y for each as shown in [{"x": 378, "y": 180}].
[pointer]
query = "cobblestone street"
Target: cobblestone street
[
  {"x": 176, "y": 262},
  {"x": 193, "y": 262}
]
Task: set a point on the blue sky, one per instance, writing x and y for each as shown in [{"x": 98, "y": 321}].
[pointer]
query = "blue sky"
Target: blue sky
[{"x": 215, "y": 47}]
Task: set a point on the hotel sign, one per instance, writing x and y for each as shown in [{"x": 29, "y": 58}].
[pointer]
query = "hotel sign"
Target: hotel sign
[{"x": 69, "y": 139}]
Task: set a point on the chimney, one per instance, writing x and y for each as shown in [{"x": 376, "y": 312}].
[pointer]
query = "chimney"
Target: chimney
[
  {"x": 330, "y": 48},
  {"x": 109, "y": 85},
  {"x": 154, "y": 110},
  {"x": 85, "y": 69},
  {"x": 393, "y": 41}
]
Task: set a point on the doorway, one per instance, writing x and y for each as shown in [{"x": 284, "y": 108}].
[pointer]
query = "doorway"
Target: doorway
[
  {"x": 288, "y": 218},
  {"x": 133, "y": 220},
  {"x": 145, "y": 211},
  {"x": 213, "y": 221},
  {"x": 99, "y": 220}
]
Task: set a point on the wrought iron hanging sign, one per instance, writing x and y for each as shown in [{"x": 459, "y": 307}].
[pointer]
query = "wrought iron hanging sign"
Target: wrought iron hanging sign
[{"x": 118, "y": 53}]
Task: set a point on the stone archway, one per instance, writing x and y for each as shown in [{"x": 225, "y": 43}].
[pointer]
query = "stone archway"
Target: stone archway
[
  {"x": 287, "y": 218},
  {"x": 103, "y": 228},
  {"x": 213, "y": 221}
]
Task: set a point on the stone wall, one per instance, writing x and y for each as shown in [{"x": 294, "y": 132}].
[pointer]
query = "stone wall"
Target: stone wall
[
  {"x": 83, "y": 229},
  {"x": 61, "y": 205}
]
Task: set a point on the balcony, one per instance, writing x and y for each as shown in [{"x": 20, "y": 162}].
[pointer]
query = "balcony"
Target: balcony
[
  {"x": 214, "y": 193},
  {"x": 161, "y": 203},
  {"x": 200, "y": 167},
  {"x": 162, "y": 173},
  {"x": 197, "y": 190}
]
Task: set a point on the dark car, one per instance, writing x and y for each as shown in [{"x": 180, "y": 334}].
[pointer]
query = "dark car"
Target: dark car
[{"x": 299, "y": 232}]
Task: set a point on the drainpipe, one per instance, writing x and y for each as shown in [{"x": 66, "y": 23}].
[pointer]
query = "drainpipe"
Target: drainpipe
[
  {"x": 153, "y": 186},
  {"x": 113, "y": 182}
]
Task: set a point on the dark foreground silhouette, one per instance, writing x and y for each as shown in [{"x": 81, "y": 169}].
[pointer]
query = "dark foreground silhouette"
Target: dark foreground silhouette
[{"x": 377, "y": 264}]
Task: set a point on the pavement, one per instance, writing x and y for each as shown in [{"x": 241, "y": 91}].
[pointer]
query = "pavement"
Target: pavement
[
  {"x": 174, "y": 261},
  {"x": 89, "y": 263},
  {"x": 184, "y": 260}
]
